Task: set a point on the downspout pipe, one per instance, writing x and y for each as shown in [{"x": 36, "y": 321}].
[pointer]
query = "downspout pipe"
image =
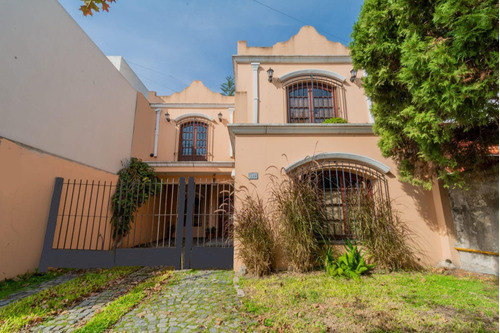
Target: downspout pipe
[
  {"x": 255, "y": 66},
  {"x": 231, "y": 119},
  {"x": 157, "y": 132}
]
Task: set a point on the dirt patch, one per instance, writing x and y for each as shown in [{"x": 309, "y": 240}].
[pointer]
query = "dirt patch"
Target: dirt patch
[{"x": 465, "y": 274}]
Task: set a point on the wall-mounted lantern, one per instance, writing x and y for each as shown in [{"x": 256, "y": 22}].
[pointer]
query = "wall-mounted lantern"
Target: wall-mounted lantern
[
  {"x": 270, "y": 72},
  {"x": 167, "y": 116},
  {"x": 220, "y": 116},
  {"x": 354, "y": 72}
]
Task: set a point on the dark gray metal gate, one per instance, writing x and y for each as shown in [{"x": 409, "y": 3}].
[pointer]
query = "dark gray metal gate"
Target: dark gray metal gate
[{"x": 184, "y": 225}]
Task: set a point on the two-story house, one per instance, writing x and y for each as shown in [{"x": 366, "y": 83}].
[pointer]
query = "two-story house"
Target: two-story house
[{"x": 274, "y": 124}]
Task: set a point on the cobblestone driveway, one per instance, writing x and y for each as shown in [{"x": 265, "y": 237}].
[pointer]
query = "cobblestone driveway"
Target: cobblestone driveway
[{"x": 199, "y": 301}]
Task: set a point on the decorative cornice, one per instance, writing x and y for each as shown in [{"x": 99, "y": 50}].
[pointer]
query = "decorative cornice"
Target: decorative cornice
[
  {"x": 199, "y": 164},
  {"x": 192, "y": 105},
  {"x": 298, "y": 129},
  {"x": 381, "y": 167},
  {"x": 277, "y": 129}
]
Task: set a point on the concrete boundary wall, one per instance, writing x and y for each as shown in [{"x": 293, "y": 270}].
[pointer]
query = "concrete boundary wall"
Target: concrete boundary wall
[{"x": 27, "y": 179}]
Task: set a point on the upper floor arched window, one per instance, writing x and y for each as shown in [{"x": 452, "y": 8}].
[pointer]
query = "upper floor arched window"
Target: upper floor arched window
[
  {"x": 193, "y": 142},
  {"x": 314, "y": 98}
]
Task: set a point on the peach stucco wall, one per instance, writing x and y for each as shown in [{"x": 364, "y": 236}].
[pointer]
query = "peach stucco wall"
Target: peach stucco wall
[
  {"x": 283, "y": 59},
  {"x": 144, "y": 129},
  {"x": 195, "y": 99},
  {"x": 27, "y": 181},
  {"x": 272, "y": 95},
  {"x": 58, "y": 92},
  {"x": 306, "y": 42},
  {"x": 421, "y": 210}
]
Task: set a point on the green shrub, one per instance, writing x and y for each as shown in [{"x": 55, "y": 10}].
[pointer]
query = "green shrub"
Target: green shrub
[
  {"x": 350, "y": 264},
  {"x": 136, "y": 182},
  {"x": 335, "y": 120},
  {"x": 255, "y": 237}
]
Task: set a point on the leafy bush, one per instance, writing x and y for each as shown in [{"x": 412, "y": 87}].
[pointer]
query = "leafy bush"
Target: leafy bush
[
  {"x": 335, "y": 120},
  {"x": 351, "y": 264},
  {"x": 136, "y": 182},
  {"x": 301, "y": 216},
  {"x": 378, "y": 227},
  {"x": 256, "y": 242}
]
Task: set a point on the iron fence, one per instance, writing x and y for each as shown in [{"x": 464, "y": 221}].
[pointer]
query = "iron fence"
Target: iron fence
[
  {"x": 85, "y": 219},
  {"x": 344, "y": 188}
]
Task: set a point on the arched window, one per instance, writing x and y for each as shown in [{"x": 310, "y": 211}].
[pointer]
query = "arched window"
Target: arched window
[
  {"x": 313, "y": 99},
  {"x": 193, "y": 142},
  {"x": 345, "y": 187}
]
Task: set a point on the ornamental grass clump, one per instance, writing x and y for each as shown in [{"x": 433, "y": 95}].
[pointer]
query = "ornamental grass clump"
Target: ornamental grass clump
[
  {"x": 253, "y": 230},
  {"x": 379, "y": 228},
  {"x": 301, "y": 216}
]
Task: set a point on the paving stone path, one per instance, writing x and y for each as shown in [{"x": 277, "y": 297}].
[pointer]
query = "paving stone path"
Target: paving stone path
[
  {"x": 68, "y": 320},
  {"x": 36, "y": 289},
  {"x": 198, "y": 301}
]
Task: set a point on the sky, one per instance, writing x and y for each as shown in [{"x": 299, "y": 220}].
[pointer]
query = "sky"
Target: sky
[{"x": 170, "y": 43}]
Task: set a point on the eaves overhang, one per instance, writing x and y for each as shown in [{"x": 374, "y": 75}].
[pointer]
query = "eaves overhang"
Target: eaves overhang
[
  {"x": 192, "y": 105},
  {"x": 200, "y": 164}
]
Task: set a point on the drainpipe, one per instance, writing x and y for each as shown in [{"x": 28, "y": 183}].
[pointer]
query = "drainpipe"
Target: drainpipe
[
  {"x": 231, "y": 113},
  {"x": 157, "y": 132},
  {"x": 255, "y": 66}
]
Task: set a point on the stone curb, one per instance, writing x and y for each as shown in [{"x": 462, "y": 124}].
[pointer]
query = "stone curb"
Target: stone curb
[{"x": 239, "y": 291}]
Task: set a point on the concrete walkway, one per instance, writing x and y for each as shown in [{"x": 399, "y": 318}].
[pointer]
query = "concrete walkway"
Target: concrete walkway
[
  {"x": 198, "y": 301},
  {"x": 68, "y": 320},
  {"x": 192, "y": 301}
]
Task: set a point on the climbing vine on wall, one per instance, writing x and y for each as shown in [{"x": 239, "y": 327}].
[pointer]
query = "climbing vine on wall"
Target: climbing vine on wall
[{"x": 137, "y": 181}]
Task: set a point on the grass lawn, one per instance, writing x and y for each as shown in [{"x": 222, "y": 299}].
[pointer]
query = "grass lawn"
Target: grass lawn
[
  {"x": 10, "y": 286},
  {"x": 403, "y": 302},
  {"x": 38, "y": 307}
]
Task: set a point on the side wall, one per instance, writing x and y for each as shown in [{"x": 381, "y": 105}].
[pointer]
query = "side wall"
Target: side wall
[
  {"x": 144, "y": 129},
  {"x": 475, "y": 214},
  {"x": 58, "y": 92},
  {"x": 27, "y": 177}
]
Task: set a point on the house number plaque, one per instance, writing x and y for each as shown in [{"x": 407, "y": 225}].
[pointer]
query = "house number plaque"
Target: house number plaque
[{"x": 253, "y": 175}]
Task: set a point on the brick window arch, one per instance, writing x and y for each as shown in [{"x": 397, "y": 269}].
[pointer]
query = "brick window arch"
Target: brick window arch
[
  {"x": 193, "y": 140},
  {"x": 314, "y": 98}
]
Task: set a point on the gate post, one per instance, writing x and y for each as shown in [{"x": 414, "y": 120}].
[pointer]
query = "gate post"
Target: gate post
[
  {"x": 179, "y": 231},
  {"x": 189, "y": 223},
  {"x": 51, "y": 225}
]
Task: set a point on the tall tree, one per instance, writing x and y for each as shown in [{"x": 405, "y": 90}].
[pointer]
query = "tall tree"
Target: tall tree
[
  {"x": 227, "y": 87},
  {"x": 432, "y": 75},
  {"x": 93, "y": 5}
]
